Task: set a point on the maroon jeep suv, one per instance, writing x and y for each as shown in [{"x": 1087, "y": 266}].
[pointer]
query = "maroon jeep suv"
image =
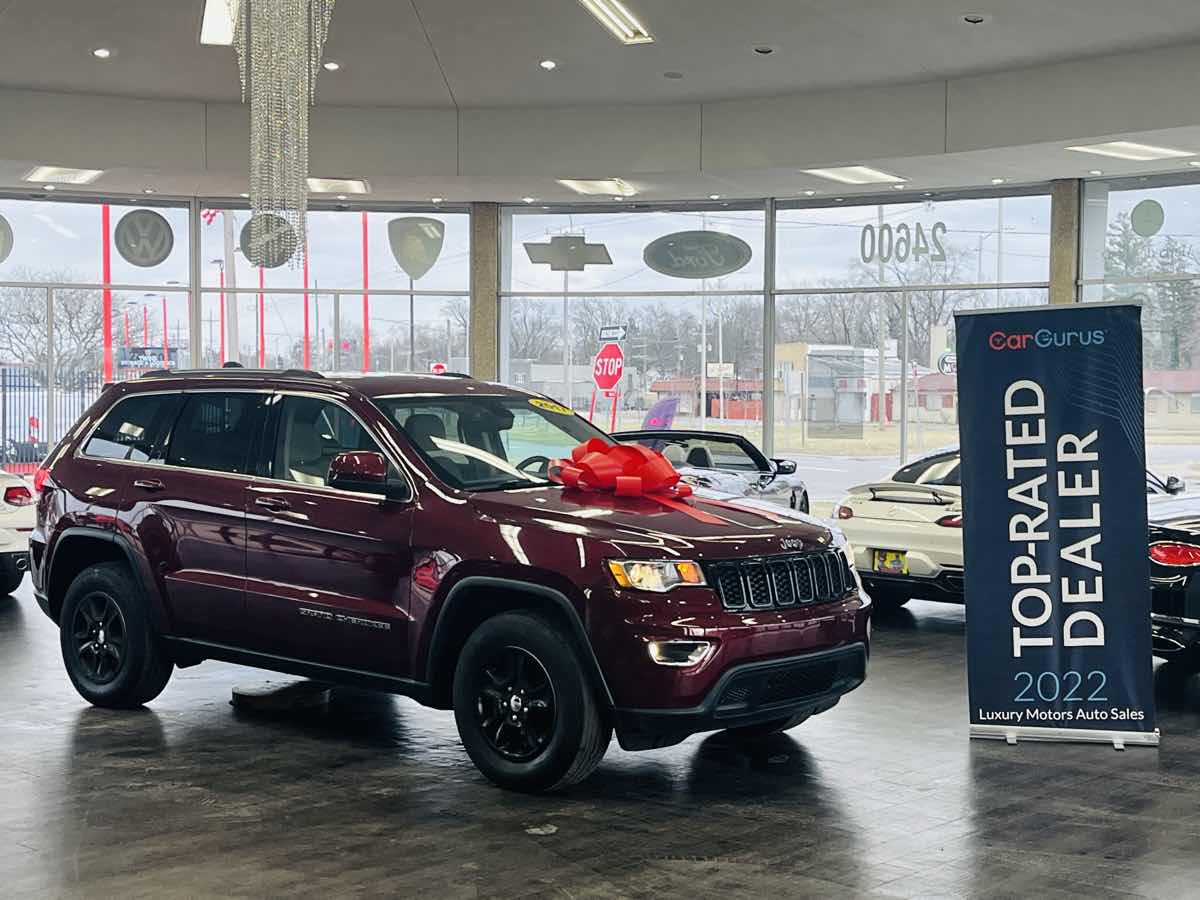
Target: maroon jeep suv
[{"x": 403, "y": 533}]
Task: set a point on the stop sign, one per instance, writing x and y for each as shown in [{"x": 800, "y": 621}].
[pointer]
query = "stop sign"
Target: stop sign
[{"x": 608, "y": 366}]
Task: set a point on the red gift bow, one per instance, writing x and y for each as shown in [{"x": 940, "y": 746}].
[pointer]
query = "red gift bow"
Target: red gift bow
[{"x": 633, "y": 470}]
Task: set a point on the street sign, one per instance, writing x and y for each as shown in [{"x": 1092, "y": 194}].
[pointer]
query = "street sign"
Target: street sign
[
  {"x": 948, "y": 363},
  {"x": 568, "y": 253},
  {"x": 613, "y": 333},
  {"x": 697, "y": 254},
  {"x": 720, "y": 370},
  {"x": 608, "y": 366}
]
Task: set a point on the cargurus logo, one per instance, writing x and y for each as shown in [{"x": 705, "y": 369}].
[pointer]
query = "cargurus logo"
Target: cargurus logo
[{"x": 1045, "y": 338}]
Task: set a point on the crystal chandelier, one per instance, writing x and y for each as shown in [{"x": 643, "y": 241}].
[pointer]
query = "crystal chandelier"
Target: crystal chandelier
[{"x": 279, "y": 45}]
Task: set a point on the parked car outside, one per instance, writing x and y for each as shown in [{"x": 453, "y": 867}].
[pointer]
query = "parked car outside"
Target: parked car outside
[
  {"x": 907, "y": 530},
  {"x": 16, "y": 524},
  {"x": 725, "y": 462},
  {"x": 405, "y": 533}
]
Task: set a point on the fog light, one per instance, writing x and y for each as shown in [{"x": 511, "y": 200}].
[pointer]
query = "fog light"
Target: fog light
[{"x": 678, "y": 653}]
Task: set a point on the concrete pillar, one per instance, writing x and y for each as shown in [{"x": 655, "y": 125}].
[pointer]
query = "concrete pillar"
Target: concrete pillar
[
  {"x": 1065, "y": 210},
  {"x": 485, "y": 300}
]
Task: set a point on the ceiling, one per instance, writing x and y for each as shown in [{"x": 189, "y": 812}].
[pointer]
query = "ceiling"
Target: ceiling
[{"x": 485, "y": 53}]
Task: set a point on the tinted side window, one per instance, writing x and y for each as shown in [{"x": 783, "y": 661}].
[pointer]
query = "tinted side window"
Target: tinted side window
[
  {"x": 135, "y": 429},
  {"x": 215, "y": 432},
  {"x": 311, "y": 433}
]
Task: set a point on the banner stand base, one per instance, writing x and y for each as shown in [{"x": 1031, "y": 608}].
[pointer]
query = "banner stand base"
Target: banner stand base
[{"x": 1078, "y": 735}]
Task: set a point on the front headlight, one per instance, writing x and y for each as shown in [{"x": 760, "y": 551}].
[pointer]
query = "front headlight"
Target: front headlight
[{"x": 659, "y": 575}]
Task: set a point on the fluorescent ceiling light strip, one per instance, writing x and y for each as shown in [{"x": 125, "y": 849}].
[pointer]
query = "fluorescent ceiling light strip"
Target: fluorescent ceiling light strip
[
  {"x": 338, "y": 186},
  {"x": 1131, "y": 150},
  {"x": 62, "y": 175},
  {"x": 614, "y": 16},
  {"x": 216, "y": 27},
  {"x": 615, "y": 186},
  {"x": 856, "y": 175}
]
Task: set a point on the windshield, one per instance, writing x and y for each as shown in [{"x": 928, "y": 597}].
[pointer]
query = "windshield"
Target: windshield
[
  {"x": 488, "y": 443},
  {"x": 691, "y": 451},
  {"x": 943, "y": 470}
]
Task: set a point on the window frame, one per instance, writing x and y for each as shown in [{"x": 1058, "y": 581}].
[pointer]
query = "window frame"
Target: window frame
[{"x": 257, "y": 413}]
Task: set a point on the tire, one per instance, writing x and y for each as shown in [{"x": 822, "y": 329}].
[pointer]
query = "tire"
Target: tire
[
  {"x": 551, "y": 747},
  {"x": 105, "y": 608},
  {"x": 802, "y": 505},
  {"x": 10, "y": 579},
  {"x": 766, "y": 729}
]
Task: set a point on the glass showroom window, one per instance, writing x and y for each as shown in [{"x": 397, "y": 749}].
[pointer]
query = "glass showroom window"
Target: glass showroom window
[
  {"x": 381, "y": 291},
  {"x": 1141, "y": 241},
  {"x": 55, "y": 258},
  {"x": 677, "y": 304},
  {"x": 864, "y": 311}
]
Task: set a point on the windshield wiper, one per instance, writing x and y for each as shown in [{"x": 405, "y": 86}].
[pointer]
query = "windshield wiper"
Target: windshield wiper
[{"x": 509, "y": 484}]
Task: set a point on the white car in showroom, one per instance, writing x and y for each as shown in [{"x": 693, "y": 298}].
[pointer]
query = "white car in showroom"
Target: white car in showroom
[
  {"x": 907, "y": 531},
  {"x": 16, "y": 524}
]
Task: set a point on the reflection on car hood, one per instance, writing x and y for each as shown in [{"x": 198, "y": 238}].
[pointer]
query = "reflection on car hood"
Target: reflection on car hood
[
  {"x": 634, "y": 524},
  {"x": 1179, "y": 511}
]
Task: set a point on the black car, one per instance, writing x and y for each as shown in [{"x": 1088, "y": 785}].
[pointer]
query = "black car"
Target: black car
[{"x": 1175, "y": 576}]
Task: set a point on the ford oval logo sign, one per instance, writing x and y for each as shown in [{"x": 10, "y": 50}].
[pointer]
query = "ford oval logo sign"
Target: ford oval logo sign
[{"x": 697, "y": 254}]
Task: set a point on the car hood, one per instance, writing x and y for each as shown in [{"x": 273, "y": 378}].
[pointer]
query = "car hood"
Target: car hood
[{"x": 635, "y": 525}]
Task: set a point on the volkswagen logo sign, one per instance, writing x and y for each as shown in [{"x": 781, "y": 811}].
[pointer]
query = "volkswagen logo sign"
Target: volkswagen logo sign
[
  {"x": 6, "y": 239},
  {"x": 144, "y": 238},
  {"x": 274, "y": 244}
]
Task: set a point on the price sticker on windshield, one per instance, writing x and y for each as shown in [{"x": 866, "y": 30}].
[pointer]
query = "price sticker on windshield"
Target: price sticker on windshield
[{"x": 550, "y": 406}]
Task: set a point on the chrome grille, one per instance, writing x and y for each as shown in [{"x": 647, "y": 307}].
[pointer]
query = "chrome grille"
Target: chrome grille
[{"x": 781, "y": 582}]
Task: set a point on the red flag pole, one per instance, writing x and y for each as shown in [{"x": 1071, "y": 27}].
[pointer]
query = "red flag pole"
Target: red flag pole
[
  {"x": 106, "y": 276},
  {"x": 222, "y": 315},
  {"x": 166, "y": 342},
  {"x": 306, "y": 338},
  {"x": 146, "y": 326},
  {"x": 592, "y": 409},
  {"x": 616, "y": 399},
  {"x": 262, "y": 321},
  {"x": 366, "y": 300},
  {"x": 126, "y": 327}
]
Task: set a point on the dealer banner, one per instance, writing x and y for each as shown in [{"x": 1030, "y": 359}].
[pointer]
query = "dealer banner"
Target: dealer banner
[{"x": 1054, "y": 523}]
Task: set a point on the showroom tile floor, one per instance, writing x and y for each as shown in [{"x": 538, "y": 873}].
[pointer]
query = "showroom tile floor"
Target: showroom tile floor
[{"x": 882, "y": 797}]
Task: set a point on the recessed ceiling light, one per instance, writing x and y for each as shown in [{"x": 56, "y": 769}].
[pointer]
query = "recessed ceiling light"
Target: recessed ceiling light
[
  {"x": 1131, "y": 150},
  {"x": 1095, "y": 171},
  {"x": 102, "y": 53},
  {"x": 714, "y": 196},
  {"x": 764, "y": 49},
  {"x": 331, "y": 66},
  {"x": 216, "y": 27},
  {"x": 974, "y": 18},
  {"x": 48, "y": 187},
  {"x": 809, "y": 193},
  {"x": 244, "y": 194},
  {"x": 63, "y": 174},
  {"x": 149, "y": 191},
  {"x": 623, "y": 24},
  {"x": 839, "y": 199},
  {"x": 341, "y": 196},
  {"x": 529, "y": 199},
  {"x": 674, "y": 76},
  {"x": 338, "y": 186},
  {"x": 599, "y": 186},
  {"x": 999, "y": 180},
  {"x": 436, "y": 199},
  {"x": 548, "y": 64},
  {"x": 856, "y": 175}
]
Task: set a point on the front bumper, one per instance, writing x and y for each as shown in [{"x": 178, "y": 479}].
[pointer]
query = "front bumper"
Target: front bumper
[{"x": 749, "y": 694}]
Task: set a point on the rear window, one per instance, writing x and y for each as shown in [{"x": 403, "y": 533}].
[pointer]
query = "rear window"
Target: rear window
[
  {"x": 134, "y": 429},
  {"x": 943, "y": 470},
  {"x": 215, "y": 432}
]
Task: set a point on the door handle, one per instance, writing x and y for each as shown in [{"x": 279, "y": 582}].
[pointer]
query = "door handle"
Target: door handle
[
  {"x": 272, "y": 503},
  {"x": 149, "y": 484}
]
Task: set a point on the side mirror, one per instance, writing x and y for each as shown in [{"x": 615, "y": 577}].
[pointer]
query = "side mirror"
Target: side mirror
[
  {"x": 1175, "y": 485},
  {"x": 361, "y": 471},
  {"x": 784, "y": 466}
]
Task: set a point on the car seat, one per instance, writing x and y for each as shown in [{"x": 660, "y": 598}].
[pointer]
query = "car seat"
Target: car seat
[{"x": 700, "y": 458}]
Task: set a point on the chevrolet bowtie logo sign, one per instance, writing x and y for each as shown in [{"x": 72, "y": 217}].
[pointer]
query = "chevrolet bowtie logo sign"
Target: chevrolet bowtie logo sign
[{"x": 568, "y": 253}]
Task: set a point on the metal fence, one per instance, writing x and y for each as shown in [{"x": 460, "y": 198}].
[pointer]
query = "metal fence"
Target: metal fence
[{"x": 25, "y": 415}]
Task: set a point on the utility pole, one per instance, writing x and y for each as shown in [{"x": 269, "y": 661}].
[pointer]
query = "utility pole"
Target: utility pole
[{"x": 234, "y": 347}]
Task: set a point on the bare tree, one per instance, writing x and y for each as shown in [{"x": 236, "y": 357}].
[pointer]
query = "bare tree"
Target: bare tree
[{"x": 78, "y": 324}]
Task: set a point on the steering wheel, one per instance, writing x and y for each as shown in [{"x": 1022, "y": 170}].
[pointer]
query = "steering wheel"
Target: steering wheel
[{"x": 530, "y": 460}]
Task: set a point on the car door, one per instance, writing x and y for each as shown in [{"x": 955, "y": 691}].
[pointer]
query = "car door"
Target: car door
[
  {"x": 327, "y": 569},
  {"x": 189, "y": 513}
]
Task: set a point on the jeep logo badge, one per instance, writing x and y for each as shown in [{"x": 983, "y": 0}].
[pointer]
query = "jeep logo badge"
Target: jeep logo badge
[{"x": 791, "y": 543}]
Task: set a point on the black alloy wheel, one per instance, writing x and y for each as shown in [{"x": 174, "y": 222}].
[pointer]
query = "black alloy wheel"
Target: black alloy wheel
[
  {"x": 101, "y": 637},
  {"x": 516, "y": 708}
]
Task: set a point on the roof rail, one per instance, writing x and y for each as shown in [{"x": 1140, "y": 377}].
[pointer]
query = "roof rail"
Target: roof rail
[
  {"x": 454, "y": 375},
  {"x": 233, "y": 372}
]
